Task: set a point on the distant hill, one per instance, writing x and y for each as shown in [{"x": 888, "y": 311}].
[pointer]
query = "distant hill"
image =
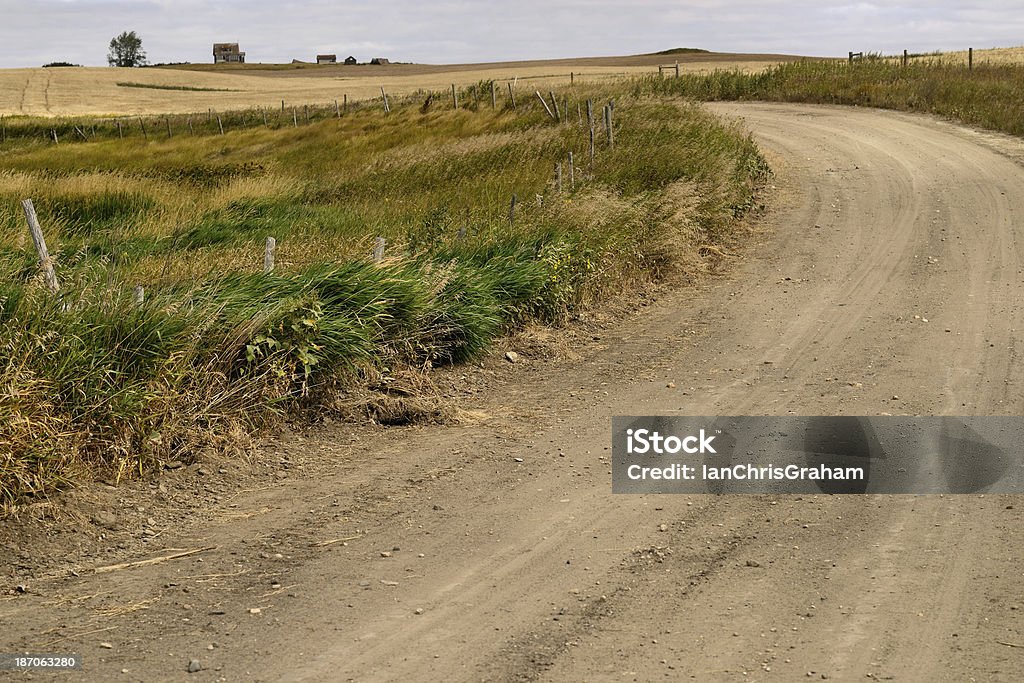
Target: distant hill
[{"x": 682, "y": 51}]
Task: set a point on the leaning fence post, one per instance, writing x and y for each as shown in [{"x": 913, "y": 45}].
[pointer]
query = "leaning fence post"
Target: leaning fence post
[
  {"x": 37, "y": 239},
  {"x": 512, "y": 97},
  {"x": 384, "y": 96},
  {"x": 220, "y": 124},
  {"x": 53, "y": 133},
  {"x": 558, "y": 114},
  {"x": 268, "y": 255},
  {"x": 120, "y": 133},
  {"x": 378, "y": 249},
  {"x": 139, "y": 295},
  {"x": 142, "y": 124},
  {"x": 545, "y": 103}
]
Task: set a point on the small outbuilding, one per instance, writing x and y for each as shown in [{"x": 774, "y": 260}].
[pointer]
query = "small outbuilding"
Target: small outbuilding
[
  {"x": 379, "y": 61},
  {"x": 351, "y": 61},
  {"x": 327, "y": 59}
]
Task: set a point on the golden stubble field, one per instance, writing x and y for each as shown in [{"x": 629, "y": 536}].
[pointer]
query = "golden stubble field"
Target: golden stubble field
[{"x": 101, "y": 91}]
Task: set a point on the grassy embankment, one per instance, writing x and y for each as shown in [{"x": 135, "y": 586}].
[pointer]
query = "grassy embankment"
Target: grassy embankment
[
  {"x": 91, "y": 382},
  {"x": 991, "y": 95}
]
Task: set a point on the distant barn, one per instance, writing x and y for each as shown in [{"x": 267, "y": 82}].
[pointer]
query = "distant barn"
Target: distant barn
[
  {"x": 327, "y": 59},
  {"x": 227, "y": 53},
  {"x": 379, "y": 61},
  {"x": 351, "y": 61}
]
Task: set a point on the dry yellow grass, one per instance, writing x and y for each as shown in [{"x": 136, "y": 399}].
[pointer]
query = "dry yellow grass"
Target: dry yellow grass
[
  {"x": 996, "y": 55},
  {"x": 95, "y": 91},
  {"x": 999, "y": 55}
]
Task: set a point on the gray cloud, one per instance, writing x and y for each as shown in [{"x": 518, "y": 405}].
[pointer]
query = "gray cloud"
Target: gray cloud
[{"x": 450, "y": 31}]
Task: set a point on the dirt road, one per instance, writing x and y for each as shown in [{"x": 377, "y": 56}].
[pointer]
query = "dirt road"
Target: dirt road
[{"x": 886, "y": 280}]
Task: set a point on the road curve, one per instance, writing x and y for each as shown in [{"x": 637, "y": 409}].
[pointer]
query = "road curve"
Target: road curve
[{"x": 886, "y": 278}]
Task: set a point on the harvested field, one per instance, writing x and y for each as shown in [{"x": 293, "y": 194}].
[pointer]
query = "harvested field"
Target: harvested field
[{"x": 197, "y": 88}]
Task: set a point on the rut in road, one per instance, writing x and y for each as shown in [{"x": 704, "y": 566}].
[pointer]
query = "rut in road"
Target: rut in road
[{"x": 886, "y": 280}]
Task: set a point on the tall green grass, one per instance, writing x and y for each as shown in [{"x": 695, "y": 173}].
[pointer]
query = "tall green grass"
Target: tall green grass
[
  {"x": 89, "y": 381},
  {"x": 990, "y": 95}
]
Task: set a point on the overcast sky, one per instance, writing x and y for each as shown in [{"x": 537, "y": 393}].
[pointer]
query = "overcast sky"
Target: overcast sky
[{"x": 454, "y": 31}]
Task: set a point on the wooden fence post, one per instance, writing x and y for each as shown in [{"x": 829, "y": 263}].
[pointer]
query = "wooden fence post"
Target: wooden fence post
[
  {"x": 512, "y": 97},
  {"x": 220, "y": 124},
  {"x": 265, "y": 124},
  {"x": 590, "y": 124},
  {"x": 610, "y": 125},
  {"x": 384, "y": 96},
  {"x": 378, "y": 249},
  {"x": 344, "y": 103},
  {"x": 851, "y": 57},
  {"x": 268, "y": 255},
  {"x": 120, "y": 133},
  {"x": 139, "y": 295},
  {"x": 142, "y": 124},
  {"x": 337, "y": 109},
  {"x": 512, "y": 211},
  {"x": 295, "y": 118},
  {"x": 168, "y": 120},
  {"x": 40, "y": 243},
  {"x": 572, "y": 78},
  {"x": 191, "y": 130},
  {"x": 970, "y": 58},
  {"x": 494, "y": 96},
  {"x": 455, "y": 98},
  {"x": 554, "y": 102},
  {"x": 545, "y": 103},
  {"x": 572, "y": 172},
  {"x": 677, "y": 68},
  {"x": 558, "y": 177},
  {"x": 906, "y": 57}
]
